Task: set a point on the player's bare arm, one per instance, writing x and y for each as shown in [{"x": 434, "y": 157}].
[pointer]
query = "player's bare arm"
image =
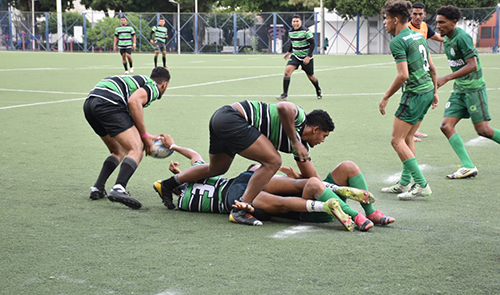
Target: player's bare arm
[
  {"x": 399, "y": 81},
  {"x": 114, "y": 43},
  {"x": 192, "y": 155},
  {"x": 433, "y": 73},
  {"x": 471, "y": 66},
  {"x": 135, "y": 103},
  {"x": 287, "y": 112}
]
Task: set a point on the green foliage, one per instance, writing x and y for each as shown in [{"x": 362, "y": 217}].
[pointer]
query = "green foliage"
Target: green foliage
[
  {"x": 70, "y": 19},
  {"x": 263, "y": 5},
  {"x": 40, "y": 5},
  {"x": 102, "y": 34},
  {"x": 351, "y": 8}
]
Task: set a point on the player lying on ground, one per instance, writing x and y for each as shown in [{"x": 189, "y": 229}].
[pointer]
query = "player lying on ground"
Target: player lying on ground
[
  {"x": 257, "y": 131},
  {"x": 211, "y": 195}
]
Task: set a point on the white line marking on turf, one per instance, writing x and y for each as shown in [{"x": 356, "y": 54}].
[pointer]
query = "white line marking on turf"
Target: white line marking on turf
[
  {"x": 479, "y": 141},
  {"x": 42, "y": 91},
  {"x": 41, "y": 103},
  {"x": 294, "y": 230}
]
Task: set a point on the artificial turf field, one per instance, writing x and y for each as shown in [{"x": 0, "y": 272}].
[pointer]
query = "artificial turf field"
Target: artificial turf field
[{"x": 54, "y": 240}]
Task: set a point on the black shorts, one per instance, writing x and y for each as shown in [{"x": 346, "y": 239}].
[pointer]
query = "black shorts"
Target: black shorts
[
  {"x": 309, "y": 68},
  {"x": 230, "y": 133},
  {"x": 237, "y": 188},
  {"x": 125, "y": 50},
  {"x": 160, "y": 46},
  {"x": 107, "y": 118}
]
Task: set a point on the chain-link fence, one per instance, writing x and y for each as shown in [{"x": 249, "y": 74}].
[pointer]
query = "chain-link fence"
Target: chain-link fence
[{"x": 224, "y": 32}]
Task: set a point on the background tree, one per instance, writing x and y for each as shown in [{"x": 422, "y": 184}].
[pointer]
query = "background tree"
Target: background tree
[{"x": 40, "y": 5}]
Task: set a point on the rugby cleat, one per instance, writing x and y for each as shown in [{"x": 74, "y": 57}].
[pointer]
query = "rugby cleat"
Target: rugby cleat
[
  {"x": 396, "y": 189},
  {"x": 96, "y": 194},
  {"x": 416, "y": 191},
  {"x": 165, "y": 194},
  {"x": 119, "y": 195},
  {"x": 243, "y": 217},
  {"x": 318, "y": 94},
  {"x": 463, "y": 173},
  {"x": 362, "y": 223},
  {"x": 379, "y": 218},
  {"x": 282, "y": 97},
  {"x": 332, "y": 207},
  {"x": 356, "y": 194}
]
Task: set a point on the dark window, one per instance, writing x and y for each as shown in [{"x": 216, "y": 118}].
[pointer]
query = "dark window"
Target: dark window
[{"x": 486, "y": 32}]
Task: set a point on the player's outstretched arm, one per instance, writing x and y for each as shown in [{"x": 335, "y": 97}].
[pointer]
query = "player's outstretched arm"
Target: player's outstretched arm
[
  {"x": 135, "y": 103},
  {"x": 287, "y": 112},
  {"x": 192, "y": 155}
]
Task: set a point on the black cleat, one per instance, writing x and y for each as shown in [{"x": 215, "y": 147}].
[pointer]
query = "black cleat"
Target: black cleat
[
  {"x": 243, "y": 217},
  {"x": 118, "y": 194},
  {"x": 318, "y": 94},
  {"x": 282, "y": 97},
  {"x": 96, "y": 194}
]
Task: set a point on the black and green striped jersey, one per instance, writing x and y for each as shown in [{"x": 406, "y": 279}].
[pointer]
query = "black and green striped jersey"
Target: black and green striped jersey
[
  {"x": 265, "y": 118},
  {"x": 302, "y": 43},
  {"x": 159, "y": 34},
  {"x": 459, "y": 48},
  {"x": 117, "y": 89},
  {"x": 411, "y": 47},
  {"x": 124, "y": 34},
  {"x": 207, "y": 195}
]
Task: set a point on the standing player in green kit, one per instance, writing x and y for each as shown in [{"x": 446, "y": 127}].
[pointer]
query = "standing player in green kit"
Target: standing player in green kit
[
  {"x": 469, "y": 98},
  {"x": 417, "y": 74},
  {"x": 301, "y": 50},
  {"x": 125, "y": 40},
  {"x": 158, "y": 36}
]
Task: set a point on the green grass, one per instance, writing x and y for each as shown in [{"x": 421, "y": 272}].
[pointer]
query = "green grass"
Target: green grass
[{"x": 54, "y": 240}]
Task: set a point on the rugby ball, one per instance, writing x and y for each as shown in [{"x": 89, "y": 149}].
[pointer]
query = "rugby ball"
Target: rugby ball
[{"x": 160, "y": 150}]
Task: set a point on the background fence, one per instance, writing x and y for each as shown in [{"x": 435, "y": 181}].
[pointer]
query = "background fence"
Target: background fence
[{"x": 224, "y": 32}]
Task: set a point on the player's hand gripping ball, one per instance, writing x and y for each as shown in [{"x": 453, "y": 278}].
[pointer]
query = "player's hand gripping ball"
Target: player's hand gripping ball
[{"x": 160, "y": 150}]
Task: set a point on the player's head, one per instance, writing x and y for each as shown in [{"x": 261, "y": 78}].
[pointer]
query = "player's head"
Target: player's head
[
  {"x": 320, "y": 125},
  {"x": 296, "y": 21},
  {"x": 396, "y": 12},
  {"x": 162, "y": 77},
  {"x": 162, "y": 22},
  {"x": 123, "y": 20},
  {"x": 418, "y": 13},
  {"x": 447, "y": 18}
]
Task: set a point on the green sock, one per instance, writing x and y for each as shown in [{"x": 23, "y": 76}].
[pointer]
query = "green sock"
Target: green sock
[
  {"x": 327, "y": 194},
  {"x": 359, "y": 181},
  {"x": 496, "y": 136},
  {"x": 457, "y": 144},
  {"x": 412, "y": 165},
  {"x": 405, "y": 176}
]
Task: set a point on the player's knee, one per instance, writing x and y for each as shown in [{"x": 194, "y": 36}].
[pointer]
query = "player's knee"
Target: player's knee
[
  {"x": 485, "y": 131},
  {"x": 445, "y": 128},
  {"x": 348, "y": 166}
]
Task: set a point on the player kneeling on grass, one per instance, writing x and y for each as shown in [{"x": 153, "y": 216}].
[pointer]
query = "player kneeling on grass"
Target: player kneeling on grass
[
  {"x": 114, "y": 109},
  {"x": 218, "y": 194}
]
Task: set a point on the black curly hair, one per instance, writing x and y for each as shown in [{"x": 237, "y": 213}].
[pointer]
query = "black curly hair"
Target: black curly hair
[
  {"x": 450, "y": 12},
  {"x": 321, "y": 119},
  {"x": 397, "y": 8}
]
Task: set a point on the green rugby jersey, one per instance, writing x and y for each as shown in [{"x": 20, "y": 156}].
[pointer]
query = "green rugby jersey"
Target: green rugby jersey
[
  {"x": 159, "y": 34},
  {"x": 124, "y": 34},
  {"x": 458, "y": 49},
  {"x": 302, "y": 43},
  {"x": 411, "y": 47},
  {"x": 206, "y": 195},
  {"x": 265, "y": 118},
  {"x": 117, "y": 89}
]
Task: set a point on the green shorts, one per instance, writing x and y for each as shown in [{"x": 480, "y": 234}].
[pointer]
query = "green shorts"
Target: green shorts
[
  {"x": 318, "y": 217},
  {"x": 466, "y": 105},
  {"x": 413, "y": 107}
]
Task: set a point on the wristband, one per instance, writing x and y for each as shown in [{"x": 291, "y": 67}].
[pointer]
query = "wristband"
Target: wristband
[
  {"x": 145, "y": 135},
  {"x": 133, "y": 44},
  {"x": 172, "y": 146}
]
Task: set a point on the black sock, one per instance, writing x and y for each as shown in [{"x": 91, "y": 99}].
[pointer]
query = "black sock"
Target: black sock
[
  {"x": 172, "y": 182},
  {"x": 286, "y": 84},
  {"x": 108, "y": 167},
  {"x": 164, "y": 59},
  {"x": 156, "y": 60},
  {"x": 125, "y": 66},
  {"x": 127, "y": 169},
  {"x": 316, "y": 85},
  {"x": 130, "y": 63}
]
